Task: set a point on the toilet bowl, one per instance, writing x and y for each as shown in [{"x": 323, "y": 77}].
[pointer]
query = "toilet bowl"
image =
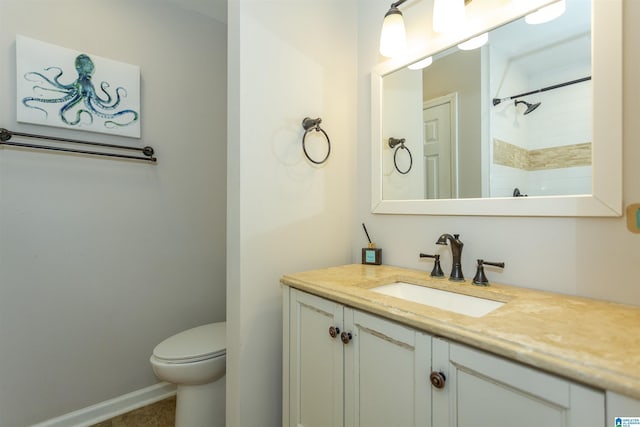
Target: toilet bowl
[{"x": 195, "y": 360}]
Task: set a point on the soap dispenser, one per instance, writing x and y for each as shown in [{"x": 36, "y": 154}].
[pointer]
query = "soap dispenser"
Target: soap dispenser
[{"x": 371, "y": 255}]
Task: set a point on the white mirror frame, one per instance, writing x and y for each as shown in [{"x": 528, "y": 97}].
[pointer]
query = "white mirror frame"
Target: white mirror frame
[{"x": 606, "y": 197}]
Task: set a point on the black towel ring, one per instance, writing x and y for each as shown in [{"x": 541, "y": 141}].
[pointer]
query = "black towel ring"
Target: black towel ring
[
  {"x": 314, "y": 124},
  {"x": 397, "y": 144}
]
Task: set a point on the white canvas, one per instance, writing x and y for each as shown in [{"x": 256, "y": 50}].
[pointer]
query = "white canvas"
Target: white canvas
[{"x": 62, "y": 87}]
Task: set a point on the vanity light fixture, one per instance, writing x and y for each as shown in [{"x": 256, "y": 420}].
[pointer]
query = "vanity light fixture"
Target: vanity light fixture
[
  {"x": 423, "y": 63},
  {"x": 393, "y": 37},
  {"x": 545, "y": 14},
  {"x": 474, "y": 42},
  {"x": 448, "y": 15}
]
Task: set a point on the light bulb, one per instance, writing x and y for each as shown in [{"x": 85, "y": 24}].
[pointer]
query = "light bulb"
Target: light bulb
[
  {"x": 475, "y": 42},
  {"x": 547, "y": 13},
  {"x": 423, "y": 63},
  {"x": 393, "y": 37}
]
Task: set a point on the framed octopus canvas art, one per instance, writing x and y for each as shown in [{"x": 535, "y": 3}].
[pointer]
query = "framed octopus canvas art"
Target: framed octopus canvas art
[{"x": 65, "y": 88}]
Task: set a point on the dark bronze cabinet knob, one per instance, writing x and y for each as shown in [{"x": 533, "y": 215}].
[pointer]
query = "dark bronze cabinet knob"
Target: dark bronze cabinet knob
[
  {"x": 334, "y": 331},
  {"x": 346, "y": 337},
  {"x": 437, "y": 379}
]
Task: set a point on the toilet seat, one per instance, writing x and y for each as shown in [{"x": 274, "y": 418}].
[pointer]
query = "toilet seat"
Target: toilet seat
[{"x": 193, "y": 345}]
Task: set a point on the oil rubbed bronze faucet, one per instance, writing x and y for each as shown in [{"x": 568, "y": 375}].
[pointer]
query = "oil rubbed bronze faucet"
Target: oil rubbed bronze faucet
[{"x": 456, "y": 253}]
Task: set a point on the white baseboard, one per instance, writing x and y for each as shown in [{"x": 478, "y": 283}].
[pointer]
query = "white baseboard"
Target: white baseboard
[{"x": 113, "y": 407}]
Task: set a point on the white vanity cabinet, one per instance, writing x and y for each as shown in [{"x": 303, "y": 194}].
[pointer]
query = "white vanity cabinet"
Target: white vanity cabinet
[
  {"x": 485, "y": 390},
  {"x": 387, "y": 368},
  {"x": 313, "y": 365},
  {"x": 371, "y": 372},
  {"x": 619, "y": 406}
]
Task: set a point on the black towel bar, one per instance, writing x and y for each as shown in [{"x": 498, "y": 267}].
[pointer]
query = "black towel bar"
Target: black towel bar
[{"x": 6, "y": 135}]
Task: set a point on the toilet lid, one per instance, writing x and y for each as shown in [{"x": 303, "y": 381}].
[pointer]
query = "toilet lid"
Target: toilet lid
[{"x": 199, "y": 343}]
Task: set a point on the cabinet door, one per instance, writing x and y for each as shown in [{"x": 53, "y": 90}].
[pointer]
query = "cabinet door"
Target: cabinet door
[
  {"x": 482, "y": 390},
  {"x": 386, "y": 373},
  {"x": 619, "y": 406},
  {"x": 315, "y": 362}
]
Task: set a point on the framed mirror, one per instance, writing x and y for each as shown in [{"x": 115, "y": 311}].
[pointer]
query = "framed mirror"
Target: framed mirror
[{"x": 531, "y": 122}]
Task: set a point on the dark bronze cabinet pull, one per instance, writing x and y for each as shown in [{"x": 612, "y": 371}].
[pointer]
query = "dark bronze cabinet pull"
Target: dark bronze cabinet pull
[
  {"x": 334, "y": 331},
  {"x": 346, "y": 337},
  {"x": 437, "y": 379}
]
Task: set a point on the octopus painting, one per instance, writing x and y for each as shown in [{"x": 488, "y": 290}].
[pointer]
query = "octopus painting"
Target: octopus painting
[
  {"x": 62, "y": 87},
  {"x": 79, "y": 100}
]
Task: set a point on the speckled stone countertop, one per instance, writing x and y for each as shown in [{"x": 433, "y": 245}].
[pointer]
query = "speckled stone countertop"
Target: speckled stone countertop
[{"x": 589, "y": 341}]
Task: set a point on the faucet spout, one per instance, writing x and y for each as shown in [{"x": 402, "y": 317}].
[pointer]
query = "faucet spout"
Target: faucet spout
[{"x": 456, "y": 254}]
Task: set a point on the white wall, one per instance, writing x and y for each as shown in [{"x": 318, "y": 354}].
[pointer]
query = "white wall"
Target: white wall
[
  {"x": 567, "y": 109},
  {"x": 287, "y": 60},
  {"x": 507, "y": 78},
  {"x": 102, "y": 259},
  {"x": 402, "y": 118},
  {"x": 594, "y": 257}
]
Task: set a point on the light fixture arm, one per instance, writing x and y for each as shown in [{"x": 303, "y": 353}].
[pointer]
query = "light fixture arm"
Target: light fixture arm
[
  {"x": 393, "y": 9},
  {"x": 396, "y": 4}
]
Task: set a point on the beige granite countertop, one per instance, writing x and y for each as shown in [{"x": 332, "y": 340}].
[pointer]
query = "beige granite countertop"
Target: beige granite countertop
[{"x": 589, "y": 341}]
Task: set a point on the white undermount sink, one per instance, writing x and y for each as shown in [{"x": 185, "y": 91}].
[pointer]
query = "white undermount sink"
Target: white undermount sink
[{"x": 451, "y": 301}]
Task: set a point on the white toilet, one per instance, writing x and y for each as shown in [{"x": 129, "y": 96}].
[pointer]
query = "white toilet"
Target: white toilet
[{"x": 195, "y": 360}]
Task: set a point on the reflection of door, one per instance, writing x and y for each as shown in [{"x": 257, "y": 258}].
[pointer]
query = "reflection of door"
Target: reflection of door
[{"x": 440, "y": 148}]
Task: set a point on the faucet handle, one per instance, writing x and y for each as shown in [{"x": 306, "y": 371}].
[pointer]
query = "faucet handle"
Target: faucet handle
[
  {"x": 437, "y": 270},
  {"x": 480, "y": 278}
]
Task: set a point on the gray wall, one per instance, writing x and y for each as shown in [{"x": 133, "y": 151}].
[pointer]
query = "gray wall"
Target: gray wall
[{"x": 102, "y": 259}]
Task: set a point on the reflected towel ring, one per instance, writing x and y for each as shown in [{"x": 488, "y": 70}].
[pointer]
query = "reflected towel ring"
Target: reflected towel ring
[
  {"x": 314, "y": 124},
  {"x": 397, "y": 144}
]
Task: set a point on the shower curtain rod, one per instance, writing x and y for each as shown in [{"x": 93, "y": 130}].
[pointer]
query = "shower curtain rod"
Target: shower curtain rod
[
  {"x": 497, "y": 101},
  {"x": 6, "y": 135}
]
